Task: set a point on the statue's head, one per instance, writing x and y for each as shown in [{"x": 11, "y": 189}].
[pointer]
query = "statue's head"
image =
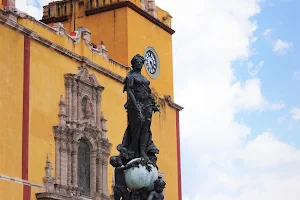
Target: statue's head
[
  {"x": 137, "y": 62},
  {"x": 115, "y": 161},
  {"x": 159, "y": 185}
]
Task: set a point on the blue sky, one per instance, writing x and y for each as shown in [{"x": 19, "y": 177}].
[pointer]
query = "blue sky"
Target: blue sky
[
  {"x": 278, "y": 74},
  {"x": 237, "y": 73}
]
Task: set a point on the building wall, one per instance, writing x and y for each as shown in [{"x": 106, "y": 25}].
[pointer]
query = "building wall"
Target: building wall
[
  {"x": 11, "y": 105},
  {"x": 47, "y": 69}
]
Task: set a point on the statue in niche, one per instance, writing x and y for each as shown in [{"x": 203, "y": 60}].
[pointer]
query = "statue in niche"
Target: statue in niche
[
  {"x": 87, "y": 108},
  {"x": 137, "y": 141}
]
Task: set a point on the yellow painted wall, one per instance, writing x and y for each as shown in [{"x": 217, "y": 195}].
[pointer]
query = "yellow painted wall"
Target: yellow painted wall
[
  {"x": 11, "y": 108},
  {"x": 10, "y": 190},
  {"x": 164, "y": 136},
  {"x": 109, "y": 27}
]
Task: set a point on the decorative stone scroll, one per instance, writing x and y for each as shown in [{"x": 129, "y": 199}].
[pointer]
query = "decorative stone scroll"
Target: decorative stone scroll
[{"x": 81, "y": 122}]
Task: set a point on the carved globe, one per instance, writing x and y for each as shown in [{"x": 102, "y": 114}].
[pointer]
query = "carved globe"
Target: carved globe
[{"x": 140, "y": 177}]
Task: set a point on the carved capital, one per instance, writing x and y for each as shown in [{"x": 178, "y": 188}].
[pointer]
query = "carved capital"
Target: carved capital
[{"x": 93, "y": 154}]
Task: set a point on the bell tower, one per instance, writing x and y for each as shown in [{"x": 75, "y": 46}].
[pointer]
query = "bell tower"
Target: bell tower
[{"x": 125, "y": 28}]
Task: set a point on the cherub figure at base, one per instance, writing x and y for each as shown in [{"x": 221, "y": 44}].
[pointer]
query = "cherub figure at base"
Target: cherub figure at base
[
  {"x": 120, "y": 189},
  {"x": 157, "y": 194}
]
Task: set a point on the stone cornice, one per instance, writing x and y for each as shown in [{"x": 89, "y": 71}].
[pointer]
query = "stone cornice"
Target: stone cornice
[
  {"x": 20, "y": 181},
  {"x": 133, "y": 7}
]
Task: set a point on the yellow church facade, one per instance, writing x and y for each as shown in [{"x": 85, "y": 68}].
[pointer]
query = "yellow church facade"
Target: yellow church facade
[{"x": 62, "y": 81}]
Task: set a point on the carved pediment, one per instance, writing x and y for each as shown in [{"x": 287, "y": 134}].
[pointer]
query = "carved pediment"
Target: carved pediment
[{"x": 90, "y": 79}]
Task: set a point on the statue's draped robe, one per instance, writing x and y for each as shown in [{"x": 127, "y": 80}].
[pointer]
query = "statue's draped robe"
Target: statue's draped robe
[{"x": 137, "y": 128}]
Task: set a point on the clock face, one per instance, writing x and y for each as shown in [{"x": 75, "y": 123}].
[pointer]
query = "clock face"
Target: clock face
[{"x": 152, "y": 62}]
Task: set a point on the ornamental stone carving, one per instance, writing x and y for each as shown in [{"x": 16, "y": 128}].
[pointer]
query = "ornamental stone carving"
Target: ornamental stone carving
[{"x": 81, "y": 133}]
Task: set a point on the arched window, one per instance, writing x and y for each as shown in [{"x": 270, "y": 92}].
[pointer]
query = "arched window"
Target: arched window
[
  {"x": 103, "y": 2},
  {"x": 84, "y": 167},
  {"x": 91, "y": 4}
]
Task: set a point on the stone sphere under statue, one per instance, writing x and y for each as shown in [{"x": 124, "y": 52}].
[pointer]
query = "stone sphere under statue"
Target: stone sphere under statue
[{"x": 141, "y": 177}]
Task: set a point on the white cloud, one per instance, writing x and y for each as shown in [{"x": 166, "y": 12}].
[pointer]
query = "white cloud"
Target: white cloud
[
  {"x": 248, "y": 95},
  {"x": 253, "y": 71},
  {"x": 295, "y": 112},
  {"x": 266, "y": 151},
  {"x": 279, "y": 46},
  {"x": 269, "y": 187},
  {"x": 276, "y": 105},
  {"x": 267, "y": 32},
  {"x": 282, "y": 47},
  {"x": 33, "y": 7},
  {"x": 29, "y": 8},
  {"x": 281, "y": 119}
]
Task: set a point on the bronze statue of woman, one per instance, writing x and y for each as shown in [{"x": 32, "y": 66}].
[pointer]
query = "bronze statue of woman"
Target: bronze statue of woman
[{"x": 137, "y": 140}]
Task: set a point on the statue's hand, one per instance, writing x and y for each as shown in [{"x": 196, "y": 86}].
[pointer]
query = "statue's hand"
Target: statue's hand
[{"x": 135, "y": 164}]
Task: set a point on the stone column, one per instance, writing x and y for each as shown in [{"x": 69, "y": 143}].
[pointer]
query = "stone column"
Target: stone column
[
  {"x": 99, "y": 173},
  {"x": 104, "y": 174},
  {"x": 69, "y": 163},
  {"x": 62, "y": 112},
  {"x": 57, "y": 155},
  {"x": 98, "y": 114},
  {"x": 63, "y": 161},
  {"x": 75, "y": 164},
  {"x": 94, "y": 103},
  {"x": 79, "y": 114},
  {"x": 93, "y": 173},
  {"x": 68, "y": 97},
  {"x": 74, "y": 100}
]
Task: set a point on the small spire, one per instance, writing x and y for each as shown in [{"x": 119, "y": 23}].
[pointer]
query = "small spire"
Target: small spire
[
  {"x": 61, "y": 100},
  {"x": 48, "y": 167}
]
